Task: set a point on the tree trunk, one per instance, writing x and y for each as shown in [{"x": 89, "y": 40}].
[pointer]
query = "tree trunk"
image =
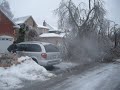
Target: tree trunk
[{"x": 116, "y": 42}]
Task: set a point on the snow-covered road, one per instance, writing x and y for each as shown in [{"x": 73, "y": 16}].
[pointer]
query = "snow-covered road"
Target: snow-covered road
[{"x": 106, "y": 77}]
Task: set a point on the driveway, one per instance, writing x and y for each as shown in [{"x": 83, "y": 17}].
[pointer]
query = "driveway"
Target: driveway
[{"x": 102, "y": 77}]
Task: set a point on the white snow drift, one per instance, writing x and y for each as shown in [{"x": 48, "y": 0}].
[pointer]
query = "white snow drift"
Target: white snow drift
[{"x": 13, "y": 76}]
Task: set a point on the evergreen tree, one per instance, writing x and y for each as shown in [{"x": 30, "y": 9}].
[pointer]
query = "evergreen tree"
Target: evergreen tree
[
  {"x": 21, "y": 37},
  {"x": 21, "y": 33}
]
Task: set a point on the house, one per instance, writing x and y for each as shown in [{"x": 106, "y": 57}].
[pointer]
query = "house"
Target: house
[
  {"x": 52, "y": 29},
  {"x": 27, "y": 21},
  {"x": 42, "y": 29},
  {"x": 7, "y": 26},
  {"x": 5, "y": 42},
  {"x": 51, "y": 38},
  {"x": 8, "y": 31}
]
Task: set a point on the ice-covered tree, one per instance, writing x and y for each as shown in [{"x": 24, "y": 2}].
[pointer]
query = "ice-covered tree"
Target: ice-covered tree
[
  {"x": 4, "y": 5},
  {"x": 31, "y": 35},
  {"x": 88, "y": 27}
]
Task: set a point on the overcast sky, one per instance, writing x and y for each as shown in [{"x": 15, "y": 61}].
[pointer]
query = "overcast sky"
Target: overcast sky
[{"x": 43, "y": 9}]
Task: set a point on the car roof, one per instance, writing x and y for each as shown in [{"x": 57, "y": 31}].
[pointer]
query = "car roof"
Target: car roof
[{"x": 34, "y": 42}]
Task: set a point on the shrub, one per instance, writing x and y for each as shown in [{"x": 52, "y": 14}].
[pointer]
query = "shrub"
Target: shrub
[{"x": 7, "y": 60}]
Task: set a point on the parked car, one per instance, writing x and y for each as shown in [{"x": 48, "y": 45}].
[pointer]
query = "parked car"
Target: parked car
[{"x": 45, "y": 54}]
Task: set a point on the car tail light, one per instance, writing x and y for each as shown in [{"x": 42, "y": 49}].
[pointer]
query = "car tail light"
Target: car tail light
[{"x": 44, "y": 55}]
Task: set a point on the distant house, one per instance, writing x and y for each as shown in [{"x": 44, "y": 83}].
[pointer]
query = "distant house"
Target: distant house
[
  {"x": 42, "y": 29},
  {"x": 27, "y": 21},
  {"x": 51, "y": 28},
  {"x": 51, "y": 38},
  {"x": 7, "y": 26}
]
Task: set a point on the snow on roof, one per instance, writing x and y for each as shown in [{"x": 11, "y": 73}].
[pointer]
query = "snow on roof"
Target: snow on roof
[
  {"x": 49, "y": 26},
  {"x": 34, "y": 42},
  {"x": 40, "y": 26},
  {"x": 17, "y": 27},
  {"x": 49, "y": 35},
  {"x": 55, "y": 28},
  {"x": 4, "y": 36},
  {"x": 21, "y": 20},
  {"x": 62, "y": 34},
  {"x": 52, "y": 28}
]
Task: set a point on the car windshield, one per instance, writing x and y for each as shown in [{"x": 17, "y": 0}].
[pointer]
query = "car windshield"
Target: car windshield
[{"x": 29, "y": 47}]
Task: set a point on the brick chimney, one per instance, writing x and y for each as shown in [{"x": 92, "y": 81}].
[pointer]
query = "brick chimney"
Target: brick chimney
[{"x": 44, "y": 23}]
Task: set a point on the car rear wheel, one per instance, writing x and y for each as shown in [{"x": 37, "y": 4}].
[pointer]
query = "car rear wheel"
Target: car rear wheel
[
  {"x": 35, "y": 60},
  {"x": 50, "y": 68}
]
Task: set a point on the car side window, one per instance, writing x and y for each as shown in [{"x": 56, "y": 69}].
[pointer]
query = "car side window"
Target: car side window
[
  {"x": 21, "y": 47},
  {"x": 29, "y": 47},
  {"x": 51, "y": 48}
]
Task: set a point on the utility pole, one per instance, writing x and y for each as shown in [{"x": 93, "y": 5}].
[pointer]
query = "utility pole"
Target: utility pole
[
  {"x": 89, "y": 4},
  {"x": 115, "y": 34}
]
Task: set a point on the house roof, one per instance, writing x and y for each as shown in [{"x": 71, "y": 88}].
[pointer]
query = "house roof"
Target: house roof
[
  {"x": 8, "y": 17},
  {"x": 40, "y": 26},
  {"x": 63, "y": 34},
  {"x": 51, "y": 28},
  {"x": 21, "y": 20},
  {"x": 50, "y": 35}
]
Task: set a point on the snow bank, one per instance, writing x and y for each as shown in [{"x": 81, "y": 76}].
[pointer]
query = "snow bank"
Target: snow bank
[{"x": 28, "y": 70}]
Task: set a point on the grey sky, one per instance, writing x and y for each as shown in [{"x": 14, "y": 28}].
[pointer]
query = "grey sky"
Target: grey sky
[
  {"x": 113, "y": 12},
  {"x": 43, "y": 9},
  {"x": 39, "y": 9}
]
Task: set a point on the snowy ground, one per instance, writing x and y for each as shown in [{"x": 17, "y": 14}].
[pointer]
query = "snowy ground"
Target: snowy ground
[
  {"x": 66, "y": 65},
  {"x": 12, "y": 77},
  {"x": 104, "y": 78},
  {"x": 63, "y": 67}
]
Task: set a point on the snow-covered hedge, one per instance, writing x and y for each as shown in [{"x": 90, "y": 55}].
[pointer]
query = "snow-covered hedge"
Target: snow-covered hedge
[
  {"x": 8, "y": 59},
  {"x": 13, "y": 77}
]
